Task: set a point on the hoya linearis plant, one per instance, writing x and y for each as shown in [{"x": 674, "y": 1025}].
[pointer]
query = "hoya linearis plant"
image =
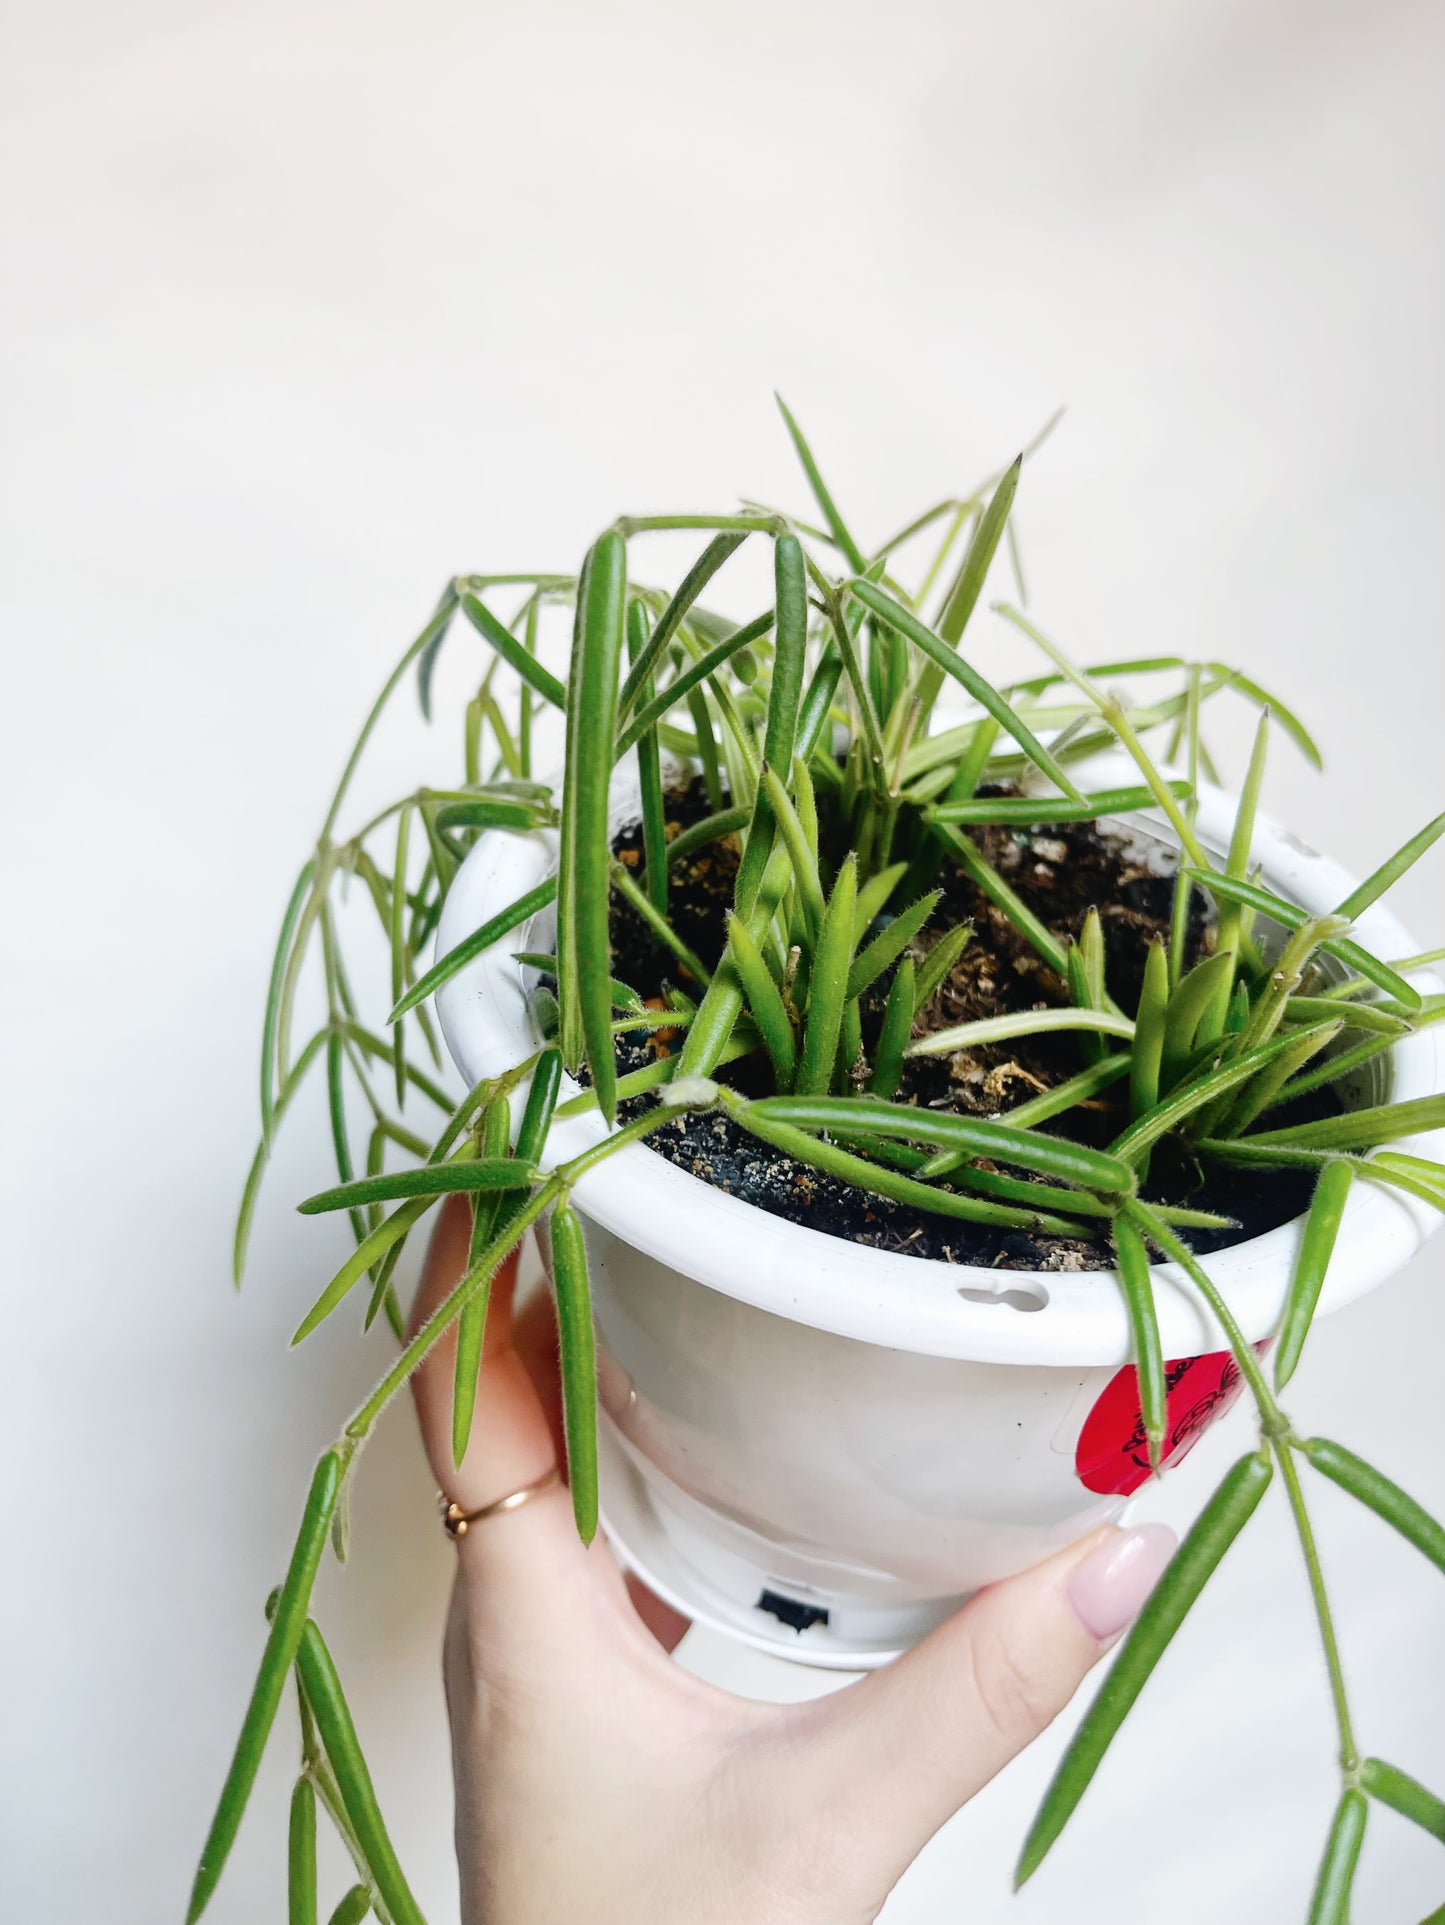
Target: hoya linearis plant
[{"x": 815, "y": 730}]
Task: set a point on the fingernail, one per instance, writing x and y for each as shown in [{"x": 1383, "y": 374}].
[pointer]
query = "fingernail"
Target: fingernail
[{"x": 1108, "y": 1589}]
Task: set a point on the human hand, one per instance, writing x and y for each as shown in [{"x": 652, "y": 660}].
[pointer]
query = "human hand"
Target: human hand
[{"x": 599, "y": 1782}]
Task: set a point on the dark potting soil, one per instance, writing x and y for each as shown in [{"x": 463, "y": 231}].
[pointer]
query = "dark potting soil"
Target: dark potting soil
[{"x": 1059, "y": 872}]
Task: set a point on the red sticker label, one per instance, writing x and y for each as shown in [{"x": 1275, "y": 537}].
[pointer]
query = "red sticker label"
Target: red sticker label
[{"x": 1113, "y": 1454}]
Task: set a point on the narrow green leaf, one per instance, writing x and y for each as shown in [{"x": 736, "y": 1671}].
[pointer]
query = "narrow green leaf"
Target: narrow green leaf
[
  {"x": 271, "y": 1023},
  {"x": 1367, "y": 1016},
  {"x": 1404, "y": 1794},
  {"x": 1330, "y": 1904},
  {"x": 1317, "y": 1244},
  {"x": 1064, "y": 1096},
  {"x": 691, "y": 586},
  {"x": 971, "y": 858},
  {"x": 890, "y": 943},
  {"x": 569, "y": 1006},
  {"x": 1415, "y": 1174},
  {"x": 1135, "y": 665},
  {"x": 701, "y": 669},
  {"x": 427, "y": 639},
  {"x": 845, "y": 624},
  {"x": 983, "y": 692},
  {"x": 1216, "y": 1528},
  {"x": 818, "y": 702},
  {"x": 577, "y": 1352},
  {"x": 1044, "y": 810},
  {"x": 380, "y": 1052},
  {"x": 485, "y": 812},
  {"x": 340, "y": 1140},
  {"x": 593, "y": 723},
  {"x": 706, "y": 742},
  {"x": 281, "y": 1646},
  {"x": 785, "y": 696},
  {"x": 937, "y": 965},
  {"x": 1389, "y": 873},
  {"x": 962, "y": 597},
  {"x": 1196, "y": 993},
  {"x": 301, "y": 1856},
  {"x": 1377, "y": 1493},
  {"x": 1257, "y": 1095},
  {"x": 974, "y": 1136},
  {"x": 246, "y": 1214},
  {"x": 494, "y": 1142},
  {"x": 894, "y": 1032},
  {"x": 1361, "y": 1129},
  {"x": 352, "y": 1908},
  {"x": 524, "y": 716},
  {"x": 1241, "y": 842},
  {"x": 498, "y": 636},
  {"x": 398, "y": 951},
  {"x": 802, "y": 853},
  {"x": 467, "y": 951},
  {"x": 1350, "y": 953},
  {"x": 1023, "y": 1022},
  {"x": 849, "y": 548},
  {"x": 754, "y": 1118},
  {"x": 828, "y": 984},
  {"x": 1233, "y": 916},
  {"x": 711, "y": 829},
  {"x": 1261, "y": 697},
  {"x": 429, "y": 646},
  {"x": 343, "y": 1751},
  {"x": 873, "y": 897},
  {"x": 1195, "y": 1095},
  {"x": 764, "y": 1001},
  {"x": 428, "y": 1179},
  {"x": 660, "y": 927},
  {"x": 1148, "y": 1045},
  {"x": 372, "y": 1249},
  {"x": 1138, "y": 1290}
]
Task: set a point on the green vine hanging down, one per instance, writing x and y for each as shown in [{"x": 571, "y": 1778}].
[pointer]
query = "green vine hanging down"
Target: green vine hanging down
[{"x": 827, "y": 697}]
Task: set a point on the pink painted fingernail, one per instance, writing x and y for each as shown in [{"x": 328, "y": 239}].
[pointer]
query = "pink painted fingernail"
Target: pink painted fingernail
[{"x": 1108, "y": 1589}]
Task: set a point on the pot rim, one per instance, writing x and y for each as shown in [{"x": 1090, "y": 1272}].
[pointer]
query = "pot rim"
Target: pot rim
[{"x": 1038, "y": 1317}]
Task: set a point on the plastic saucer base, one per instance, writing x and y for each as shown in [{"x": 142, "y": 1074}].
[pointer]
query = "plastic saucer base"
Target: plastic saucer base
[{"x": 713, "y": 1585}]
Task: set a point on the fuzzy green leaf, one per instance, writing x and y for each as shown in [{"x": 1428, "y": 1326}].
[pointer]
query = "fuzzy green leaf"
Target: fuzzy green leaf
[
  {"x": 282, "y": 1642},
  {"x": 1138, "y": 1290},
  {"x": 1378, "y": 1493},
  {"x": 498, "y": 636},
  {"x": 962, "y": 597},
  {"x": 1196, "y": 1560},
  {"x": 1404, "y": 1794},
  {"x": 1000, "y": 1142},
  {"x": 428, "y": 1179},
  {"x": 467, "y": 951},
  {"x": 828, "y": 984},
  {"x": 1330, "y": 1904},
  {"x": 329, "y": 1708},
  {"x": 880, "y": 603},
  {"x": 890, "y": 943},
  {"x": 1317, "y": 1244},
  {"x": 578, "y": 1364}
]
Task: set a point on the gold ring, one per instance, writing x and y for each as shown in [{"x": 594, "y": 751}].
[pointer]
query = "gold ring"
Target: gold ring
[{"x": 456, "y": 1522}]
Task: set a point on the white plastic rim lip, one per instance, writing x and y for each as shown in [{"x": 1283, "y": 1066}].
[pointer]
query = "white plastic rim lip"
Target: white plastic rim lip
[{"x": 915, "y": 1303}]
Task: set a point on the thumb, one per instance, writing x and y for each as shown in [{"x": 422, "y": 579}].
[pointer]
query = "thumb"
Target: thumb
[{"x": 911, "y": 1743}]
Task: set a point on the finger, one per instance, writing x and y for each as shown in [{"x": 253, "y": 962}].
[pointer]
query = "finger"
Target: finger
[
  {"x": 534, "y": 1336},
  {"x": 911, "y": 1743},
  {"x": 511, "y": 1443}
]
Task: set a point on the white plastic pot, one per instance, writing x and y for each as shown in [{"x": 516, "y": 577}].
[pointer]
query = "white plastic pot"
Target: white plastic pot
[{"x": 821, "y": 1448}]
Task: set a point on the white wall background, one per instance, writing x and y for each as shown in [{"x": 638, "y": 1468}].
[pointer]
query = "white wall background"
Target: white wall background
[{"x": 311, "y": 304}]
